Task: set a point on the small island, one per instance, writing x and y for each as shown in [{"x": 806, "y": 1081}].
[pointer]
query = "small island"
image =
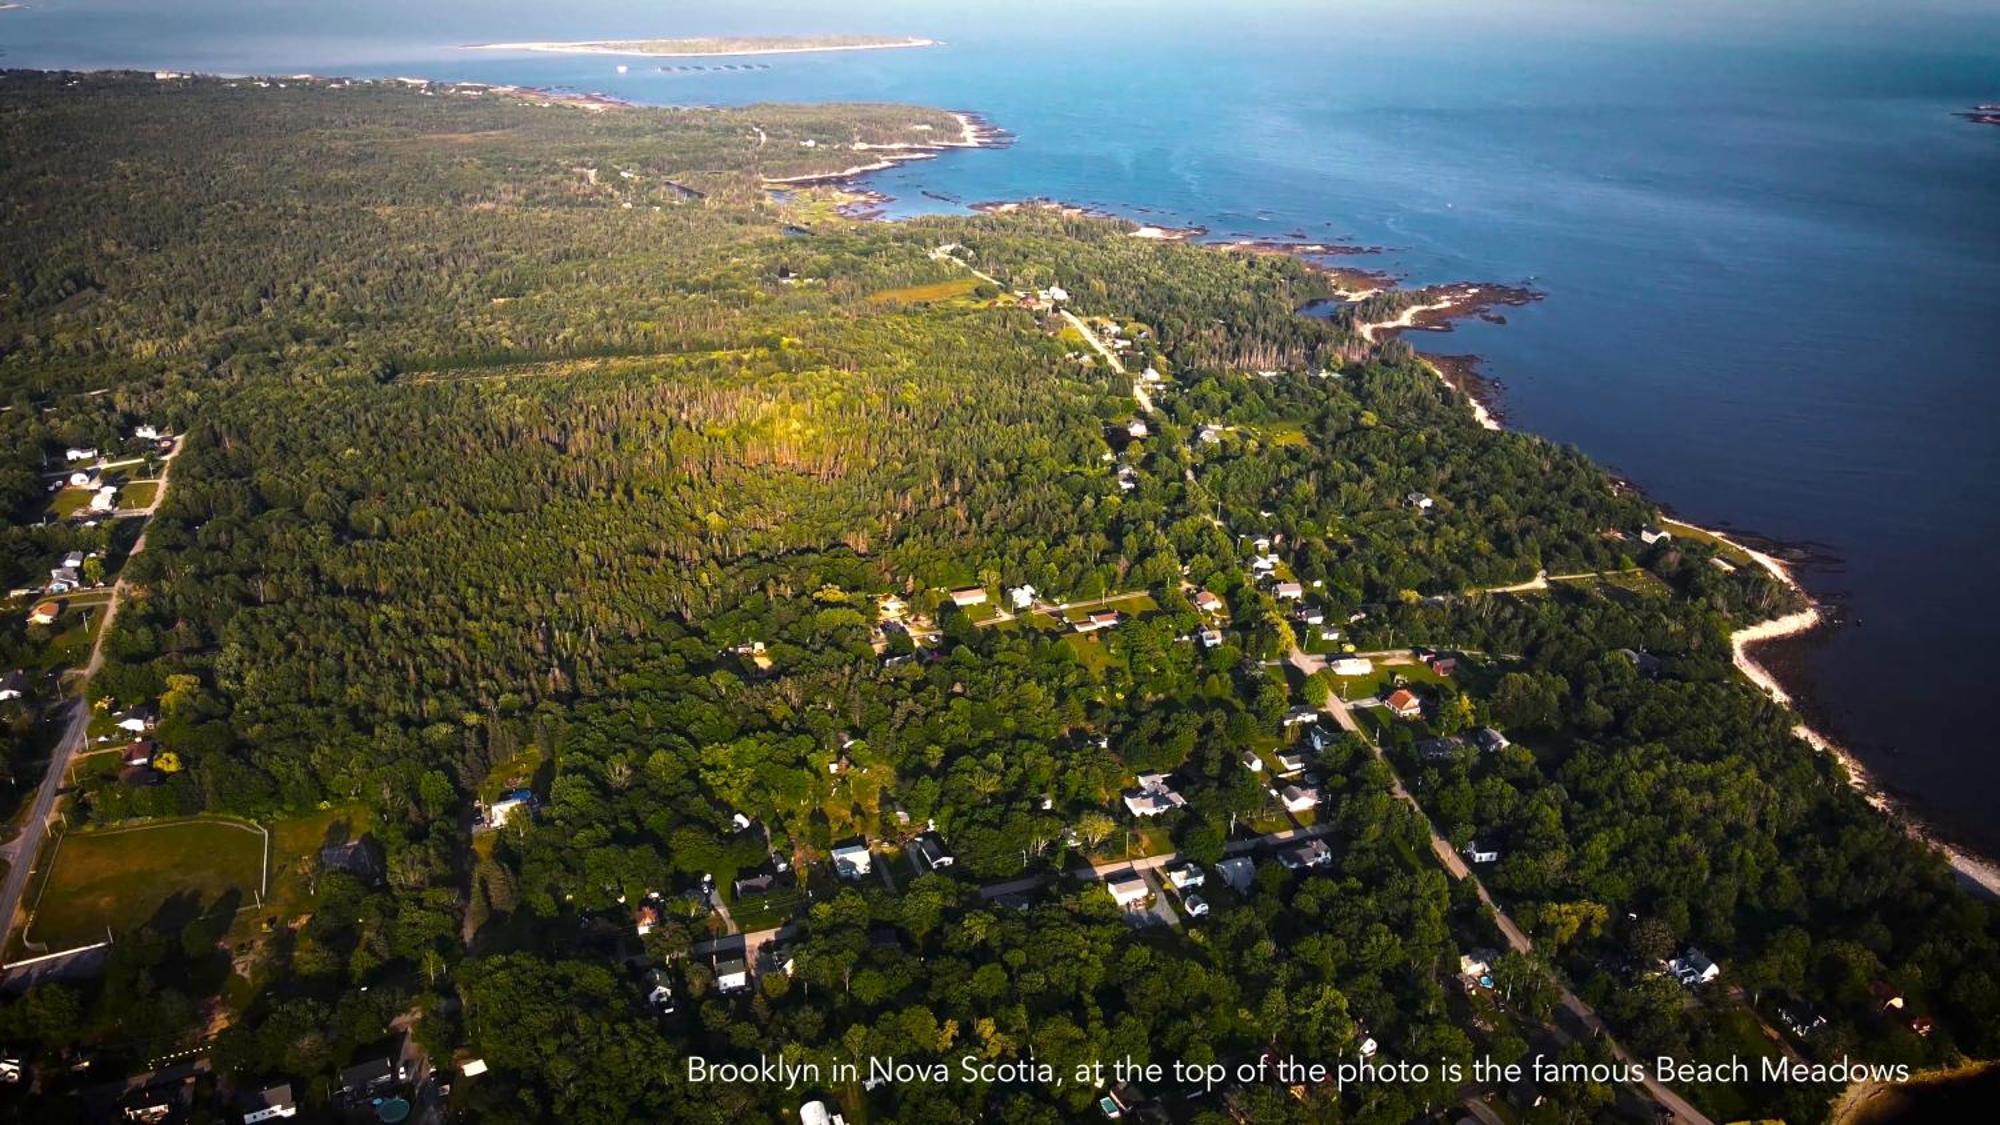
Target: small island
[
  {"x": 699, "y": 47},
  {"x": 1987, "y": 114}
]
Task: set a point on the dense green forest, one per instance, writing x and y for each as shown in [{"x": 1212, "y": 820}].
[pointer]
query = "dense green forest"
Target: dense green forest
[{"x": 531, "y": 446}]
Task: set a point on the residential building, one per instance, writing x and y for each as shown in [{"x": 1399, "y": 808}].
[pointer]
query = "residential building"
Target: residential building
[
  {"x": 1185, "y": 875},
  {"x": 892, "y": 608},
  {"x": 1102, "y": 619},
  {"x": 13, "y": 685},
  {"x": 1196, "y": 906},
  {"x": 732, "y": 975},
  {"x": 515, "y": 802},
  {"x": 1211, "y": 638},
  {"x": 930, "y": 851},
  {"x": 1021, "y": 596},
  {"x": 1490, "y": 740},
  {"x": 1404, "y": 704},
  {"x": 1290, "y": 761},
  {"x": 969, "y": 596},
  {"x": 1312, "y": 853},
  {"x": 1654, "y": 535},
  {"x": 1207, "y": 602},
  {"x": 1353, "y": 666},
  {"x": 1251, "y": 761},
  {"x": 1128, "y": 888},
  {"x": 1693, "y": 968},
  {"x": 1153, "y": 796},
  {"x": 1237, "y": 872},
  {"x": 1299, "y": 716},
  {"x": 1288, "y": 591},
  {"x": 1137, "y": 428},
  {"x": 1477, "y": 854},
  {"x": 1299, "y": 800},
  {"x": 80, "y": 453},
  {"x": 851, "y": 859},
  {"x": 269, "y": 1104},
  {"x": 369, "y": 1077},
  {"x": 1440, "y": 749}
]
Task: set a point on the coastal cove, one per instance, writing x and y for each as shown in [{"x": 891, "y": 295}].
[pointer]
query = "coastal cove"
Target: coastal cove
[{"x": 1769, "y": 262}]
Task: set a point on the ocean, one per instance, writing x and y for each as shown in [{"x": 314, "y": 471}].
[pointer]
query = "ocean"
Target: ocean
[{"x": 1770, "y": 252}]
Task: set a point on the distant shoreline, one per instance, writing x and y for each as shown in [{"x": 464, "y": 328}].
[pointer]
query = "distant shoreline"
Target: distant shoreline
[{"x": 634, "y": 50}]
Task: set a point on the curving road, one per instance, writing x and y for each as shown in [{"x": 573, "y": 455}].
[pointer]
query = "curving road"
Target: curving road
[{"x": 22, "y": 851}]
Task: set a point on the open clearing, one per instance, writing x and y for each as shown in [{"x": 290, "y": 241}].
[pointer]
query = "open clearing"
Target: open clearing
[{"x": 165, "y": 874}]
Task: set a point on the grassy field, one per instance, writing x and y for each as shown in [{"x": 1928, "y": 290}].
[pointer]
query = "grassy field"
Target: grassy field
[
  {"x": 925, "y": 294},
  {"x": 138, "y": 494},
  {"x": 164, "y": 875},
  {"x": 1728, "y": 551},
  {"x": 69, "y": 502}
]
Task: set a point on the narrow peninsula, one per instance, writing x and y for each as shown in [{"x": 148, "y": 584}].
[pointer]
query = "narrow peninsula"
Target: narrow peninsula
[{"x": 716, "y": 46}]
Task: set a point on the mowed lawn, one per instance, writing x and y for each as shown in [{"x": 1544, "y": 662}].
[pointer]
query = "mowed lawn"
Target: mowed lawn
[{"x": 159, "y": 874}]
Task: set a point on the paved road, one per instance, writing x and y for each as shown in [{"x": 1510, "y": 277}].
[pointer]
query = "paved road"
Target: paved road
[
  {"x": 1516, "y": 938},
  {"x": 22, "y": 851}
]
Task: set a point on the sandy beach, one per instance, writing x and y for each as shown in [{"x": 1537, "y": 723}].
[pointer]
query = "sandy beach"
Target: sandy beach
[
  {"x": 611, "y": 47},
  {"x": 1973, "y": 869},
  {"x": 972, "y": 133}
]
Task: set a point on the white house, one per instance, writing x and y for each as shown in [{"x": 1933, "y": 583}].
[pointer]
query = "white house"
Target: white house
[
  {"x": 851, "y": 860},
  {"x": 732, "y": 975},
  {"x": 1196, "y": 906},
  {"x": 1261, "y": 544},
  {"x": 1299, "y": 800},
  {"x": 1102, "y": 619},
  {"x": 13, "y": 686},
  {"x": 516, "y": 802},
  {"x": 1207, "y": 602},
  {"x": 1653, "y": 535},
  {"x": 1477, "y": 854},
  {"x": 1153, "y": 796},
  {"x": 1693, "y": 968},
  {"x": 1420, "y": 502},
  {"x": 969, "y": 596},
  {"x": 83, "y": 478},
  {"x": 1056, "y": 293},
  {"x": 1185, "y": 875},
  {"x": 1289, "y": 591},
  {"x": 1210, "y": 638},
  {"x": 1291, "y": 761},
  {"x": 815, "y": 1113},
  {"x": 1021, "y": 596},
  {"x": 1312, "y": 616},
  {"x": 1353, "y": 666},
  {"x": 1251, "y": 761},
  {"x": 80, "y": 453},
  {"x": 1264, "y": 564},
  {"x": 105, "y": 500},
  {"x": 1127, "y": 887},
  {"x": 1137, "y": 428},
  {"x": 1299, "y": 716}
]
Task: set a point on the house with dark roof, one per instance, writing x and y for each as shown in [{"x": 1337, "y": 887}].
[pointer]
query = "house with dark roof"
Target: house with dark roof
[
  {"x": 268, "y": 1104},
  {"x": 369, "y": 1077}
]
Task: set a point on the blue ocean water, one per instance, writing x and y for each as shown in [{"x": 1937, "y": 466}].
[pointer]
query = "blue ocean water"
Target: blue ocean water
[{"x": 1771, "y": 254}]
